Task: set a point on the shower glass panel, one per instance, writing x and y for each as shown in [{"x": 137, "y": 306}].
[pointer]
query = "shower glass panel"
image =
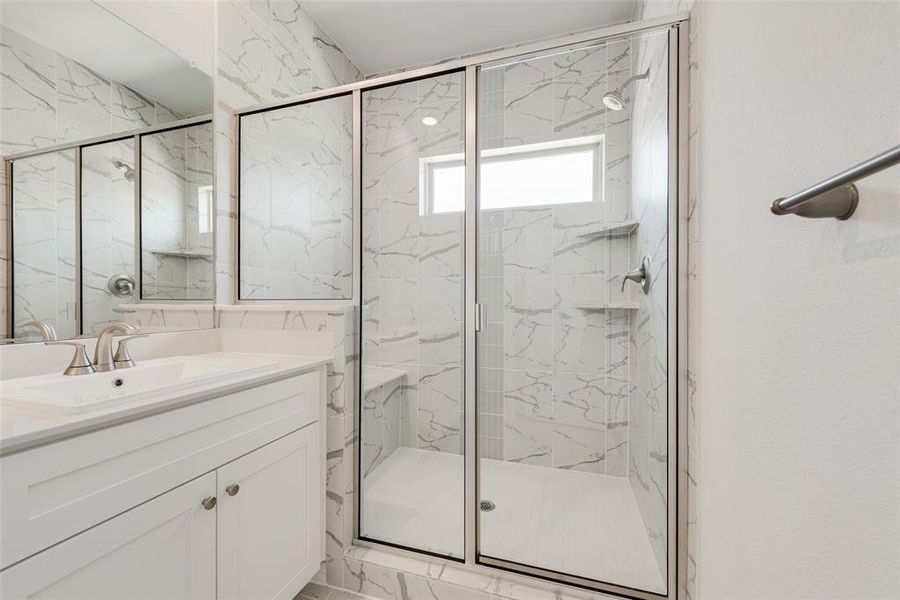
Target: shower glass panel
[
  {"x": 107, "y": 232},
  {"x": 572, "y": 366},
  {"x": 411, "y": 451},
  {"x": 43, "y": 245},
  {"x": 296, "y": 202},
  {"x": 177, "y": 214}
]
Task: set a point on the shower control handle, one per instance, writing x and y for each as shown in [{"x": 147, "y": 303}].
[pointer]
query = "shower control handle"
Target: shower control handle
[
  {"x": 641, "y": 276},
  {"x": 121, "y": 285}
]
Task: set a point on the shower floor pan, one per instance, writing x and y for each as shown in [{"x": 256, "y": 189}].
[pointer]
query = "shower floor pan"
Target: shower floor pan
[{"x": 569, "y": 521}]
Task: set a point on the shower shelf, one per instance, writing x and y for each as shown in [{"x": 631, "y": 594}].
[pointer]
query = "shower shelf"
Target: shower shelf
[
  {"x": 611, "y": 230},
  {"x": 182, "y": 253},
  {"x": 608, "y": 306}
]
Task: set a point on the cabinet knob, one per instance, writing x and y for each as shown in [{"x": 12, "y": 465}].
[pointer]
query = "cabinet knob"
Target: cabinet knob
[
  {"x": 233, "y": 489},
  {"x": 209, "y": 503}
]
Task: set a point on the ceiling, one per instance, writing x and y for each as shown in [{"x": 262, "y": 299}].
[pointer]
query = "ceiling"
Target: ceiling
[
  {"x": 128, "y": 46},
  {"x": 387, "y": 35}
]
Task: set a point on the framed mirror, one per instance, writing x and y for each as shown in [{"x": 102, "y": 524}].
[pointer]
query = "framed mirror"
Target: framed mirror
[{"x": 107, "y": 147}]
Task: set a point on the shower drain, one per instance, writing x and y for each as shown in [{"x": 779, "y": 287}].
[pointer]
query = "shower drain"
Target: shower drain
[{"x": 487, "y": 506}]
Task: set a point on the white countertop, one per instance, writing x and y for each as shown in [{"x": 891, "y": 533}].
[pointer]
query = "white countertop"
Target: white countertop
[{"x": 22, "y": 428}]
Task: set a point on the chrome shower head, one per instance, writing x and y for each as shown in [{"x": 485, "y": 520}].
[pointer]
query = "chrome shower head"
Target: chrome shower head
[
  {"x": 614, "y": 99},
  {"x": 124, "y": 166}
]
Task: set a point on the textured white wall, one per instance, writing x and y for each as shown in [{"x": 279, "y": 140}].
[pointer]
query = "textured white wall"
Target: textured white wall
[{"x": 798, "y": 341}]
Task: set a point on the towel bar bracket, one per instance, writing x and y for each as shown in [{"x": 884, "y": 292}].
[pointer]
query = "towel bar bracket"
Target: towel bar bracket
[
  {"x": 835, "y": 197},
  {"x": 838, "y": 203}
]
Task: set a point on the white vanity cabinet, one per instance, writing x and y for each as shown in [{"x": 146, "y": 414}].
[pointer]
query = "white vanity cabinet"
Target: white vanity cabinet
[
  {"x": 268, "y": 530},
  {"x": 219, "y": 499},
  {"x": 164, "y": 548}
]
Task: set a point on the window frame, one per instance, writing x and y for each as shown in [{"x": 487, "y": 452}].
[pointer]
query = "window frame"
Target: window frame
[{"x": 595, "y": 143}]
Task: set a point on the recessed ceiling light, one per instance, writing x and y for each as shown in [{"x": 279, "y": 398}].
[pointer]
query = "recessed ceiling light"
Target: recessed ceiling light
[{"x": 429, "y": 121}]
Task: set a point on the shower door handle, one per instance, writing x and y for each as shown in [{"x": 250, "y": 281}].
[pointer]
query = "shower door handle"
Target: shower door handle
[
  {"x": 478, "y": 317},
  {"x": 641, "y": 276}
]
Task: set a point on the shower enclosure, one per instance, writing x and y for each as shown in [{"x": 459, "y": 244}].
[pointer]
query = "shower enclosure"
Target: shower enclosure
[
  {"x": 516, "y": 255},
  {"x": 569, "y": 158}
]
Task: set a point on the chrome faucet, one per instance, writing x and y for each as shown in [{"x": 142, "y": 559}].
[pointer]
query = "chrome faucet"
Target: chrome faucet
[
  {"x": 103, "y": 357},
  {"x": 46, "y": 329}
]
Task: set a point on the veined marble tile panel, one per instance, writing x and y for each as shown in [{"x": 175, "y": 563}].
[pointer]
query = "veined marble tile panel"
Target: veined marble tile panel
[
  {"x": 528, "y": 323},
  {"x": 29, "y": 116},
  {"x": 440, "y": 409},
  {"x": 648, "y": 353}
]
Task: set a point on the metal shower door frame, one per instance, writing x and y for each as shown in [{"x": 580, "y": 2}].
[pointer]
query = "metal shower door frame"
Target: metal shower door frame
[{"x": 677, "y": 137}]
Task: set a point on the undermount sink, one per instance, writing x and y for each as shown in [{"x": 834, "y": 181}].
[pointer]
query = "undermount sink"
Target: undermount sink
[{"x": 82, "y": 393}]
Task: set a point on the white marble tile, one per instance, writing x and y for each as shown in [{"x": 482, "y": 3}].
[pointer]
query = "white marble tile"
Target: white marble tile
[
  {"x": 528, "y": 394},
  {"x": 527, "y": 440},
  {"x": 244, "y": 51},
  {"x": 528, "y": 323},
  {"x": 28, "y": 116},
  {"x": 440, "y": 321},
  {"x": 527, "y": 114},
  {"x": 579, "y": 448},
  {"x": 527, "y": 241},
  {"x": 398, "y": 254},
  {"x": 440, "y": 393}
]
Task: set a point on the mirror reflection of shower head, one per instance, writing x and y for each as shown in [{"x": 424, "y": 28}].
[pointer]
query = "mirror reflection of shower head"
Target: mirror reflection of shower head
[
  {"x": 121, "y": 164},
  {"x": 614, "y": 99}
]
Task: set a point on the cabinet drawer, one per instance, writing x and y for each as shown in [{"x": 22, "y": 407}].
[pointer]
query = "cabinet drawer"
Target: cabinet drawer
[{"x": 53, "y": 492}]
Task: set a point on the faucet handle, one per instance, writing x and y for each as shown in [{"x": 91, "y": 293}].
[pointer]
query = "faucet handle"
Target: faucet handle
[
  {"x": 80, "y": 363},
  {"x": 640, "y": 276},
  {"x": 122, "y": 358}
]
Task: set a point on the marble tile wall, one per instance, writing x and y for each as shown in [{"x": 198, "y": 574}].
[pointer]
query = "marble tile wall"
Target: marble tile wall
[
  {"x": 381, "y": 423},
  {"x": 153, "y": 318},
  {"x": 381, "y": 574},
  {"x": 648, "y": 354},
  {"x": 557, "y": 374},
  {"x": 646, "y": 9},
  {"x": 49, "y": 99},
  {"x": 296, "y": 209},
  {"x": 412, "y": 259},
  {"x": 266, "y": 50},
  {"x": 44, "y": 242},
  {"x": 107, "y": 230},
  {"x": 176, "y": 262}
]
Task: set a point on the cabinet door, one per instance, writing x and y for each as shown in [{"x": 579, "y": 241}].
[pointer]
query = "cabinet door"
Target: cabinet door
[
  {"x": 163, "y": 549},
  {"x": 269, "y": 538}
]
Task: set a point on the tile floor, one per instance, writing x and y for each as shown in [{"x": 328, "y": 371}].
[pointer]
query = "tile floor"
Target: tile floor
[{"x": 568, "y": 521}]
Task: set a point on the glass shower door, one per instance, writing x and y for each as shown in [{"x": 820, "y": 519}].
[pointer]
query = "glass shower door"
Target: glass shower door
[
  {"x": 411, "y": 435},
  {"x": 572, "y": 362}
]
